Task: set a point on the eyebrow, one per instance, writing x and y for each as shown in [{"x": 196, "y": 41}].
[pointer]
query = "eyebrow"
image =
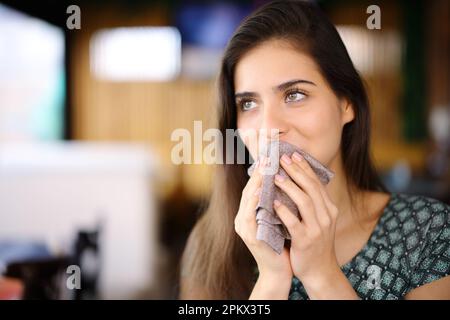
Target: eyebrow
[{"x": 281, "y": 87}]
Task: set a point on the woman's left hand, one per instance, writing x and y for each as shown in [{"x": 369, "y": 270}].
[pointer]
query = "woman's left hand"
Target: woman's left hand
[{"x": 312, "y": 252}]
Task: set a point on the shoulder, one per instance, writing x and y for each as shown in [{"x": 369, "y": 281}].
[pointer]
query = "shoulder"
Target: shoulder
[
  {"x": 422, "y": 208},
  {"x": 417, "y": 230},
  {"x": 420, "y": 201},
  {"x": 425, "y": 227},
  {"x": 404, "y": 206},
  {"x": 418, "y": 215},
  {"x": 425, "y": 210},
  {"x": 417, "y": 227}
]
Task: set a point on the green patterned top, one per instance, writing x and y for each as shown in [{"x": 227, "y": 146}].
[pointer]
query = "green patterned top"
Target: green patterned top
[{"x": 409, "y": 247}]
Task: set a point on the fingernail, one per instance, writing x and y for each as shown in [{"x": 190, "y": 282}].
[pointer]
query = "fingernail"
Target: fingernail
[
  {"x": 261, "y": 165},
  {"x": 285, "y": 158},
  {"x": 297, "y": 156},
  {"x": 261, "y": 161},
  {"x": 276, "y": 203},
  {"x": 279, "y": 178}
]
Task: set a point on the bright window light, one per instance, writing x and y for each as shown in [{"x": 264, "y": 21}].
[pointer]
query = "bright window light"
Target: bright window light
[
  {"x": 136, "y": 54},
  {"x": 372, "y": 52},
  {"x": 32, "y": 78}
]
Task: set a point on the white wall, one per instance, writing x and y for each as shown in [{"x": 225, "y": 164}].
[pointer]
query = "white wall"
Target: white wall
[{"x": 50, "y": 191}]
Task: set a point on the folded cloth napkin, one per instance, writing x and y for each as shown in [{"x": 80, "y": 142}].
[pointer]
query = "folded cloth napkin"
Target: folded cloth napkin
[{"x": 270, "y": 228}]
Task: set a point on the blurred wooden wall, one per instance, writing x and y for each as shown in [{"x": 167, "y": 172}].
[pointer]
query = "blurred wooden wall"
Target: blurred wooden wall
[
  {"x": 138, "y": 111},
  {"x": 438, "y": 57},
  {"x": 385, "y": 87}
]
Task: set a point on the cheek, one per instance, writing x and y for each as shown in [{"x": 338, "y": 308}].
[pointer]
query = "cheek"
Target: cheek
[{"x": 322, "y": 132}]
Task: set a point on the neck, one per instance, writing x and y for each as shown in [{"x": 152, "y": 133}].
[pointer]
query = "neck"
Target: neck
[{"x": 339, "y": 193}]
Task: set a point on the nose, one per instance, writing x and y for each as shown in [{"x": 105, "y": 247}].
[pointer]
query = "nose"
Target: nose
[{"x": 273, "y": 123}]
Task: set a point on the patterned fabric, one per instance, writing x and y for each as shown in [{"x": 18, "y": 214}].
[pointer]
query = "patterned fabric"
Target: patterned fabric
[{"x": 409, "y": 247}]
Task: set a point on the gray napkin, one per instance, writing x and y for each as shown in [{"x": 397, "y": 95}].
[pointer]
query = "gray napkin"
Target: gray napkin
[{"x": 270, "y": 228}]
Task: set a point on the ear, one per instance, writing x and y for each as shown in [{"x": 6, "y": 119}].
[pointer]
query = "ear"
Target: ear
[{"x": 347, "y": 111}]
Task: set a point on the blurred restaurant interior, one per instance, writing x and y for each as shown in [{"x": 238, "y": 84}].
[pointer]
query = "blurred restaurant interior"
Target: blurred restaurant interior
[{"x": 86, "y": 117}]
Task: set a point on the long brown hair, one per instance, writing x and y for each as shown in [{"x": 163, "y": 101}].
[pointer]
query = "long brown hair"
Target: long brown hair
[{"x": 216, "y": 263}]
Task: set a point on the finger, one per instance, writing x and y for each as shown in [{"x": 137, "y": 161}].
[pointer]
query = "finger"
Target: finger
[
  {"x": 311, "y": 186},
  {"x": 332, "y": 209},
  {"x": 300, "y": 198},
  {"x": 250, "y": 212},
  {"x": 248, "y": 205},
  {"x": 250, "y": 188},
  {"x": 299, "y": 160},
  {"x": 255, "y": 180},
  {"x": 292, "y": 223},
  {"x": 245, "y": 221}
]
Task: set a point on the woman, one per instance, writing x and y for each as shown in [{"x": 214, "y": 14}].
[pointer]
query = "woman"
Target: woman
[{"x": 286, "y": 68}]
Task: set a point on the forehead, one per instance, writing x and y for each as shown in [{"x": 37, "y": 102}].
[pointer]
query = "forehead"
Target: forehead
[{"x": 271, "y": 63}]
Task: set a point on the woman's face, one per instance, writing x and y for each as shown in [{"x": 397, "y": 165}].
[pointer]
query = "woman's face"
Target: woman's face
[{"x": 279, "y": 87}]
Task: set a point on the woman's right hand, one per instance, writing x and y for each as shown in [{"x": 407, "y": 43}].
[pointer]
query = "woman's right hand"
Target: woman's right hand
[{"x": 275, "y": 272}]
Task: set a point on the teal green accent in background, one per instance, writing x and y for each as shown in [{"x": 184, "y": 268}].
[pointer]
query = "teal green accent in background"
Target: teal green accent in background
[
  {"x": 48, "y": 118},
  {"x": 413, "y": 71}
]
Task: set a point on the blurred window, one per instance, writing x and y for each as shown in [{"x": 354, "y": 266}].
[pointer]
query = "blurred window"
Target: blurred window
[
  {"x": 136, "y": 54},
  {"x": 372, "y": 53},
  {"x": 32, "y": 78}
]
